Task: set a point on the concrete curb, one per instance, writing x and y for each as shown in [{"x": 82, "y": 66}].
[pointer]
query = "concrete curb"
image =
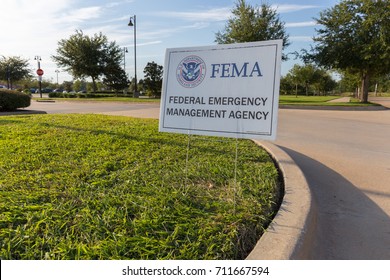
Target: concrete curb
[{"x": 291, "y": 233}]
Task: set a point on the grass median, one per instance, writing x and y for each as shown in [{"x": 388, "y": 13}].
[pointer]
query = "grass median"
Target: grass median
[
  {"x": 303, "y": 100},
  {"x": 105, "y": 187},
  {"x": 288, "y": 100}
]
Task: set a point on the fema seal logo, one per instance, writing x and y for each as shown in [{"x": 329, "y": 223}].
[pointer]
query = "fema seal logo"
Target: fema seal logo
[{"x": 191, "y": 71}]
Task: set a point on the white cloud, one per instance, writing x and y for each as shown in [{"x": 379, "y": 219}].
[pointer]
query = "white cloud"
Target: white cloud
[
  {"x": 197, "y": 20},
  {"x": 34, "y": 27},
  {"x": 115, "y": 4},
  {"x": 167, "y": 32},
  {"x": 212, "y": 15},
  {"x": 147, "y": 44},
  {"x": 301, "y": 24},
  {"x": 80, "y": 15},
  {"x": 36, "y": 8},
  {"x": 26, "y": 26},
  {"x": 224, "y": 13},
  {"x": 287, "y": 8}
]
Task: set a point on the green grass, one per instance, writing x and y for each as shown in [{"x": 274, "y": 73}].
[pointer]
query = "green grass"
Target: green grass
[
  {"x": 105, "y": 187},
  {"x": 303, "y": 100},
  {"x": 380, "y": 94}
]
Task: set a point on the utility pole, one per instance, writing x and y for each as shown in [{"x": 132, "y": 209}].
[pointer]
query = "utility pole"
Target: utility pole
[
  {"x": 38, "y": 59},
  {"x": 135, "y": 52}
]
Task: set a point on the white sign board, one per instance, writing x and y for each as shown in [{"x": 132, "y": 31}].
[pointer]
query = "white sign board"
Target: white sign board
[{"x": 222, "y": 90}]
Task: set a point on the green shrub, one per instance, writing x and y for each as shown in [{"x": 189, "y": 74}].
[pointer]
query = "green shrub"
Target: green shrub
[
  {"x": 55, "y": 94},
  {"x": 90, "y": 95},
  {"x": 11, "y": 100}
]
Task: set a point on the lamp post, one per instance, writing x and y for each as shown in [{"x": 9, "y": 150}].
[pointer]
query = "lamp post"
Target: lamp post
[
  {"x": 133, "y": 18},
  {"x": 38, "y": 59}
]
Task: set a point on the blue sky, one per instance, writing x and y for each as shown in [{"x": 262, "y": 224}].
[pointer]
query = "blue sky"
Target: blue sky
[{"x": 34, "y": 27}]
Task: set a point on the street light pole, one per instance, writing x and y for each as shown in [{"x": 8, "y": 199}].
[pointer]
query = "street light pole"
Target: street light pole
[
  {"x": 38, "y": 59},
  {"x": 135, "y": 52}
]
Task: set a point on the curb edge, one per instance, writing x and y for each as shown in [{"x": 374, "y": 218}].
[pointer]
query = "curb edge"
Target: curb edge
[{"x": 291, "y": 233}]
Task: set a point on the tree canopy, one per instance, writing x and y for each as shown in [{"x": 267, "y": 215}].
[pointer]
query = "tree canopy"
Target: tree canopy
[
  {"x": 250, "y": 24},
  {"x": 14, "y": 68},
  {"x": 116, "y": 78},
  {"x": 355, "y": 37},
  {"x": 153, "y": 77},
  {"x": 308, "y": 78},
  {"x": 88, "y": 56}
]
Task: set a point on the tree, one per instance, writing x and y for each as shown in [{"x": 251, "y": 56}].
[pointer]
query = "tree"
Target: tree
[
  {"x": 116, "y": 78},
  {"x": 349, "y": 81},
  {"x": 68, "y": 86},
  {"x": 323, "y": 82},
  {"x": 84, "y": 56},
  {"x": 355, "y": 37},
  {"x": 79, "y": 85},
  {"x": 288, "y": 85},
  {"x": 153, "y": 77},
  {"x": 309, "y": 78},
  {"x": 14, "y": 68},
  {"x": 381, "y": 84},
  {"x": 250, "y": 24}
]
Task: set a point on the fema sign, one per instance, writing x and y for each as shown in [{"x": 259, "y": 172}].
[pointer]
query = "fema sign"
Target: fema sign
[{"x": 222, "y": 90}]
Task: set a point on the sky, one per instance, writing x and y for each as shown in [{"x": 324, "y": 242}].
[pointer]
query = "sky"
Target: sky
[{"x": 31, "y": 28}]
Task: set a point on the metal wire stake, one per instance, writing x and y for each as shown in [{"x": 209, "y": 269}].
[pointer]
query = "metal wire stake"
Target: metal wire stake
[
  {"x": 235, "y": 175},
  {"x": 187, "y": 157}
]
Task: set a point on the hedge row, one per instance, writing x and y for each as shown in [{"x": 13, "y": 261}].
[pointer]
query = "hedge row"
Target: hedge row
[{"x": 11, "y": 100}]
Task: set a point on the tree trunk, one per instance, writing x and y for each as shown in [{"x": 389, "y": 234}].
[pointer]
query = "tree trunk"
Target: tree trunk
[
  {"x": 376, "y": 89},
  {"x": 364, "y": 93},
  {"x": 94, "y": 85}
]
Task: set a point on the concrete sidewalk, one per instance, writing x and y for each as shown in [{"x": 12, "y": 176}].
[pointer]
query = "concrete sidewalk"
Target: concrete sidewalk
[{"x": 340, "y": 100}]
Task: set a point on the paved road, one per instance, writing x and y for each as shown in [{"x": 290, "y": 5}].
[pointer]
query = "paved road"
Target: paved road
[
  {"x": 384, "y": 101},
  {"x": 144, "y": 110},
  {"x": 345, "y": 156}
]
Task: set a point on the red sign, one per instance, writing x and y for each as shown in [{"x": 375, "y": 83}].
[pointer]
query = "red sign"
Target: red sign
[{"x": 40, "y": 72}]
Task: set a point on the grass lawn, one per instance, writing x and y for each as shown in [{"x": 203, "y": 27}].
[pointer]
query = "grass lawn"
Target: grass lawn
[
  {"x": 302, "y": 99},
  {"x": 106, "y": 187},
  {"x": 317, "y": 101}
]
